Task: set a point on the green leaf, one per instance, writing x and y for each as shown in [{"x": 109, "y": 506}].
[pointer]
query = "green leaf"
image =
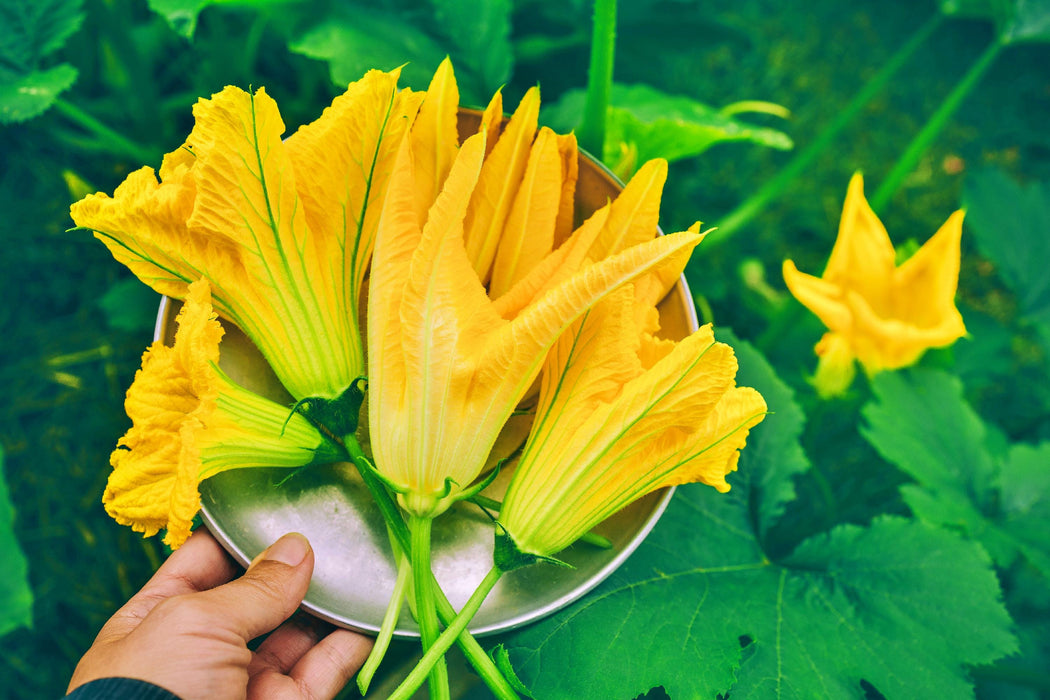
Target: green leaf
[
  {"x": 773, "y": 456},
  {"x": 920, "y": 422},
  {"x": 16, "y": 597},
  {"x": 1014, "y": 236},
  {"x": 699, "y": 610},
  {"x": 882, "y": 605},
  {"x": 356, "y": 39},
  {"x": 645, "y": 123},
  {"x": 29, "y": 95},
  {"x": 480, "y": 34},
  {"x": 130, "y": 305},
  {"x": 181, "y": 15},
  {"x": 30, "y": 31}
]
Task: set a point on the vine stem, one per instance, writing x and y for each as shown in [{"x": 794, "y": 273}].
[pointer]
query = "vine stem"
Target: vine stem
[
  {"x": 735, "y": 220},
  {"x": 591, "y": 132},
  {"x": 922, "y": 141},
  {"x": 397, "y": 527},
  {"x": 119, "y": 143},
  {"x": 386, "y": 630},
  {"x": 426, "y": 609},
  {"x": 435, "y": 653}
]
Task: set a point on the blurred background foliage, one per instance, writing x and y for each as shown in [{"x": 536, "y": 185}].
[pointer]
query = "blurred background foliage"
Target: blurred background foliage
[{"x": 92, "y": 89}]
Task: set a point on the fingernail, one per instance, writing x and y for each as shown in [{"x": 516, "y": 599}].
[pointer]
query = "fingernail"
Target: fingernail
[{"x": 290, "y": 549}]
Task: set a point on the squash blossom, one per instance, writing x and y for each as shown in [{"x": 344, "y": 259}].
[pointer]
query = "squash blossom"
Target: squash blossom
[
  {"x": 446, "y": 367},
  {"x": 880, "y": 314},
  {"x": 283, "y": 229},
  {"x": 621, "y": 414},
  {"x": 189, "y": 422}
]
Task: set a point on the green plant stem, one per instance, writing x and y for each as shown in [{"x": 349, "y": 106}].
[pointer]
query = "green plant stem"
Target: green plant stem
[
  {"x": 436, "y": 652},
  {"x": 426, "y": 610},
  {"x": 591, "y": 132},
  {"x": 386, "y": 630},
  {"x": 396, "y": 526},
  {"x": 922, "y": 141},
  {"x": 735, "y": 220},
  {"x": 116, "y": 142}
]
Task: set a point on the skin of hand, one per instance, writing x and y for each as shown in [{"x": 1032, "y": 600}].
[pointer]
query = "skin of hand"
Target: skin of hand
[{"x": 188, "y": 629}]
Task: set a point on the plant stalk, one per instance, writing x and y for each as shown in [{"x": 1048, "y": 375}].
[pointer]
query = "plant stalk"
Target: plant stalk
[
  {"x": 435, "y": 654},
  {"x": 426, "y": 610},
  {"x": 735, "y": 220},
  {"x": 386, "y": 630},
  {"x": 396, "y": 526},
  {"x": 922, "y": 141},
  {"x": 120, "y": 144},
  {"x": 591, "y": 132}
]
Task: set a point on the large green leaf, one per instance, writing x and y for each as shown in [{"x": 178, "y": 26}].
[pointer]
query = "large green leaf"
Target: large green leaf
[
  {"x": 16, "y": 598},
  {"x": 356, "y": 39},
  {"x": 29, "y": 95},
  {"x": 480, "y": 34},
  {"x": 1010, "y": 222},
  {"x": 773, "y": 456},
  {"x": 645, "y": 123},
  {"x": 701, "y": 610},
  {"x": 920, "y": 422},
  {"x": 181, "y": 15},
  {"x": 30, "y": 32}
]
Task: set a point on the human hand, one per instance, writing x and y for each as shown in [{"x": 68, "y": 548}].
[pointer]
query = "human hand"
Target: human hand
[{"x": 187, "y": 629}]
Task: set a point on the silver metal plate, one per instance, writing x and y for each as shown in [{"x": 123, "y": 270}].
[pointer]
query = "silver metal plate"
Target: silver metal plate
[{"x": 355, "y": 572}]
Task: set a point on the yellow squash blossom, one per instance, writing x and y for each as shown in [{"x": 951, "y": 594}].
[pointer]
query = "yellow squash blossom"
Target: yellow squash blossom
[
  {"x": 620, "y": 416},
  {"x": 883, "y": 315},
  {"x": 283, "y": 229},
  {"x": 190, "y": 422},
  {"x": 446, "y": 369}
]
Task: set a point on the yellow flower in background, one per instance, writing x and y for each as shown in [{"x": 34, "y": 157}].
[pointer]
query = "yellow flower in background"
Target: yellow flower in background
[
  {"x": 621, "y": 415},
  {"x": 190, "y": 422},
  {"x": 880, "y": 314},
  {"x": 283, "y": 229},
  {"x": 446, "y": 367}
]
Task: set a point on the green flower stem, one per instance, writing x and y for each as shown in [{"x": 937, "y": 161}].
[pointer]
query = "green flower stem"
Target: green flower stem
[
  {"x": 386, "y": 630},
  {"x": 591, "y": 132},
  {"x": 396, "y": 526},
  {"x": 922, "y": 141},
  {"x": 116, "y": 141},
  {"x": 426, "y": 610},
  {"x": 735, "y": 220},
  {"x": 435, "y": 654}
]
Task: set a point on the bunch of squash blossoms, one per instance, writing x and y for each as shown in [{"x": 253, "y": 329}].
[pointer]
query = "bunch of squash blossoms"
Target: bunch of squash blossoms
[{"x": 497, "y": 331}]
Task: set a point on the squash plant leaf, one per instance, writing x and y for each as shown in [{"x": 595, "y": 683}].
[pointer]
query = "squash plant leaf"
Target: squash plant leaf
[
  {"x": 479, "y": 31},
  {"x": 702, "y": 611},
  {"x": 645, "y": 123},
  {"x": 1014, "y": 237},
  {"x": 181, "y": 15},
  {"x": 773, "y": 456},
  {"x": 29, "y": 33},
  {"x": 354, "y": 39},
  {"x": 920, "y": 422},
  {"x": 16, "y": 597}
]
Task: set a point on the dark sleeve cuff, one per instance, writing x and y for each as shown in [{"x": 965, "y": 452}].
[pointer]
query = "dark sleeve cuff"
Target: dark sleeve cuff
[{"x": 121, "y": 689}]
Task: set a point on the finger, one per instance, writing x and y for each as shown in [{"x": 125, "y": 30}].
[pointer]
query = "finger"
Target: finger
[
  {"x": 287, "y": 644},
  {"x": 324, "y": 670},
  {"x": 199, "y": 565},
  {"x": 267, "y": 594},
  {"x": 320, "y": 674}
]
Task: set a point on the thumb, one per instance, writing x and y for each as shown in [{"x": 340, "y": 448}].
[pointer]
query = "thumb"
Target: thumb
[{"x": 268, "y": 593}]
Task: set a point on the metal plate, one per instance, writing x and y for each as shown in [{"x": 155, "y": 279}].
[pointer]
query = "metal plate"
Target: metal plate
[{"x": 354, "y": 571}]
